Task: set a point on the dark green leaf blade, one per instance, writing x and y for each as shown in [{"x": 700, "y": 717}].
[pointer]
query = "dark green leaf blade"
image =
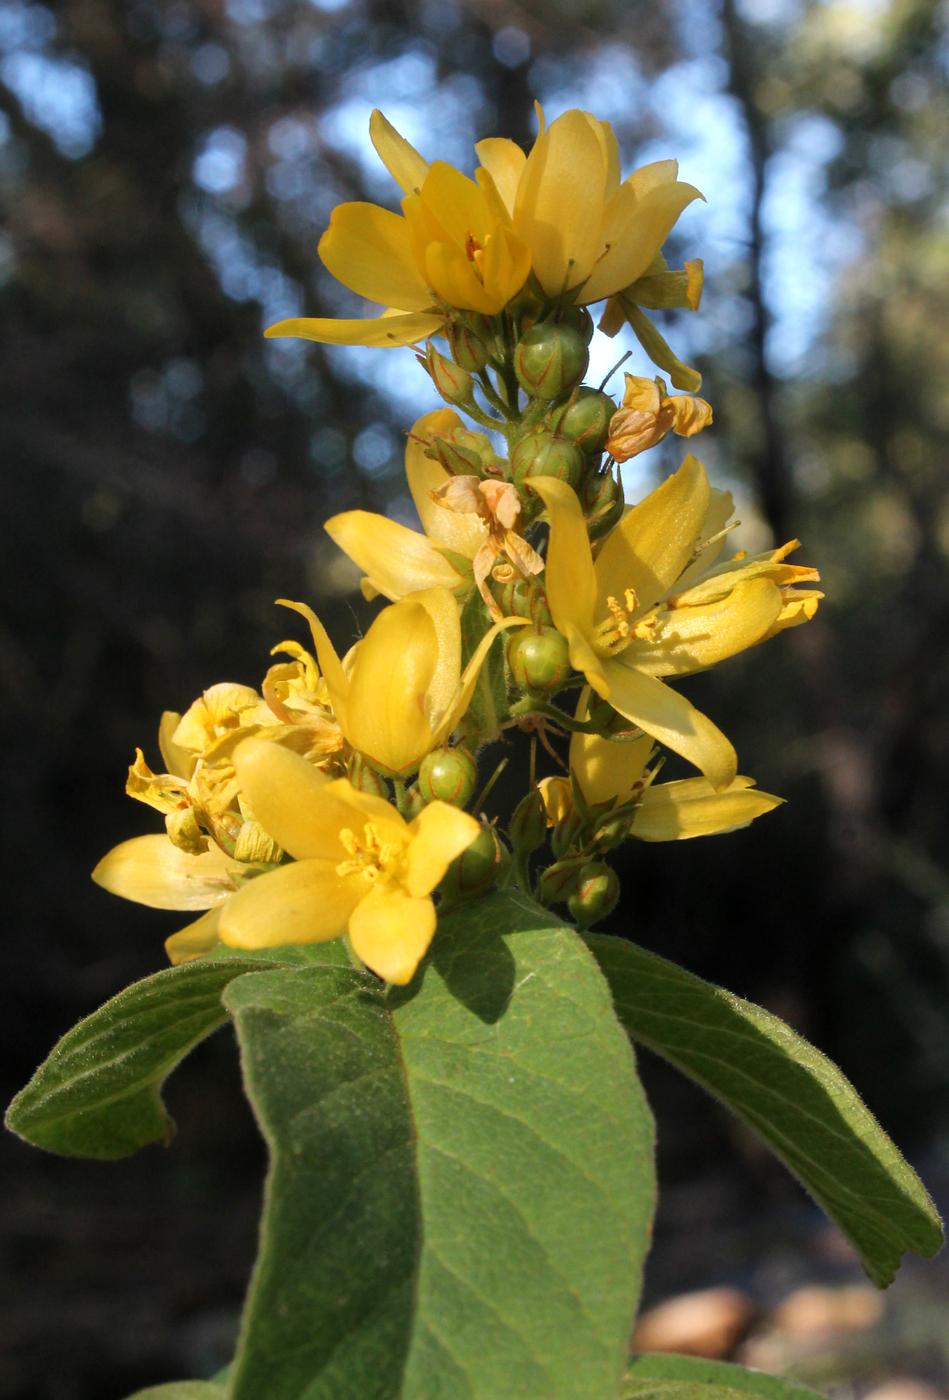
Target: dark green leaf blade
[
  {"x": 461, "y": 1183},
  {"x": 330, "y": 1307},
  {"x": 182, "y": 1390},
  {"x": 535, "y": 1151},
  {"x": 710, "y": 1379},
  {"x": 98, "y": 1093},
  {"x": 793, "y": 1096}
]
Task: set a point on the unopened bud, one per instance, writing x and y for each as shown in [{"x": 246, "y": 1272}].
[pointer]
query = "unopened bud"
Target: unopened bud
[
  {"x": 468, "y": 349},
  {"x": 578, "y": 319},
  {"x": 558, "y": 881},
  {"x": 550, "y": 359},
  {"x": 455, "y": 458},
  {"x": 595, "y": 894},
  {"x": 448, "y": 775},
  {"x": 478, "y": 867},
  {"x": 538, "y": 660},
  {"x": 452, "y": 381},
  {"x": 540, "y": 453},
  {"x": 524, "y": 597},
  {"x": 529, "y": 823},
  {"x": 585, "y": 419},
  {"x": 603, "y": 502},
  {"x": 612, "y": 829},
  {"x": 557, "y": 797}
]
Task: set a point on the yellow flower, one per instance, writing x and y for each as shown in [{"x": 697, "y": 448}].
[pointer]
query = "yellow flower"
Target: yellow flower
[
  {"x": 589, "y": 233},
  {"x": 398, "y": 560},
  {"x": 401, "y": 690},
  {"x": 661, "y": 288},
  {"x": 452, "y": 246},
  {"x": 150, "y": 870},
  {"x": 655, "y": 604},
  {"x": 616, "y": 772},
  {"x": 358, "y": 866},
  {"x": 648, "y": 412}
]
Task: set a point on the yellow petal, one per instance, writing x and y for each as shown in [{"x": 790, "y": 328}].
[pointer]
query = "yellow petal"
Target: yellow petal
[
  {"x": 289, "y": 799},
  {"x": 393, "y": 670},
  {"x": 674, "y": 721},
  {"x": 305, "y": 902},
  {"x": 437, "y": 835},
  {"x": 645, "y": 228},
  {"x": 504, "y": 161},
  {"x": 569, "y": 577},
  {"x": 367, "y": 807},
  {"x": 658, "y": 349},
  {"x": 796, "y": 607},
  {"x": 176, "y": 758},
  {"x": 399, "y": 157},
  {"x": 608, "y": 768},
  {"x": 337, "y": 683},
  {"x": 654, "y": 541},
  {"x": 446, "y": 621},
  {"x": 369, "y": 250},
  {"x": 689, "y": 639},
  {"x": 195, "y": 939},
  {"x": 718, "y": 514},
  {"x": 679, "y": 811},
  {"x": 396, "y": 560},
  {"x": 504, "y": 267},
  {"x": 457, "y": 204},
  {"x": 390, "y": 932},
  {"x": 150, "y": 870},
  {"x": 689, "y": 415},
  {"x": 560, "y": 202},
  {"x": 464, "y": 534},
  {"x": 451, "y": 274},
  {"x": 399, "y": 329},
  {"x": 650, "y": 177}
]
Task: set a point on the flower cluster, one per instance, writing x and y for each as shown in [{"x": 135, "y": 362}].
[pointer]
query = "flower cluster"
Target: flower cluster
[{"x": 340, "y": 799}]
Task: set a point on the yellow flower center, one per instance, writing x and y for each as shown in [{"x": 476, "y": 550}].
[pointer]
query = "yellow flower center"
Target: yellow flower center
[
  {"x": 368, "y": 854},
  {"x": 615, "y": 632}
]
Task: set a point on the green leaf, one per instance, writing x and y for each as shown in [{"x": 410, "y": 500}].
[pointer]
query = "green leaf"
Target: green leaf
[
  {"x": 98, "y": 1094},
  {"x": 488, "y": 704},
  {"x": 792, "y": 1095},
  {"x": 662, "y": 1375},
  {"x": 182, "y": 1390},
  {"x": 461, "y": 1182}
]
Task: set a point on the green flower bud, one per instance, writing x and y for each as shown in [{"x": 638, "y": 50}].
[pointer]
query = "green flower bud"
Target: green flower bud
[
  {"x": 529, "y": 823},
  {"x": 452, "y": 381},
  {"x": 585, "y": 419},
  {"x": 448, "y": 775},
  {"x": 457, "y": 460},
  {"x": 477, "y": 868},
  {"x": 603, "y": 501},
  {"x": 612, "y": 829},
  {"x": 578, "y": 319},
  {"x": 526, "y": 308},
  {"x": 467, "y": 348},
  {"x": 550, "y": 359},
  {"x": 538, "y": 660},
  {"x": 364, "y": 777},
  {"x": 558, "y": 881},
  {"x": 566, "y": 834},
  {"x": 596, "y": 893},
  {"x": 524, "y": 597},
  {"x": 539, "y": 453}
]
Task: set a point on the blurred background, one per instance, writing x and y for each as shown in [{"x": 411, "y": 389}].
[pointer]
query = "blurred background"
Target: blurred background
[{"x": 166, "y": 168}]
